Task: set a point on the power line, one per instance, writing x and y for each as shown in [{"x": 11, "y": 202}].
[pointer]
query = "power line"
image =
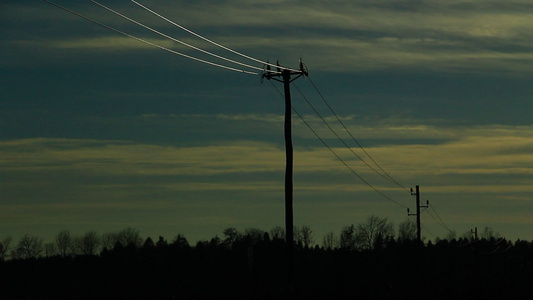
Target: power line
[
  {"x": 335, "y": 133},
  {"x": 438, "y": 219},
  {"x": 212, "y": 42},
  {"x": 427, "y": 230},
  {"x": 390, "y": 178},
  {"x": 439, "y": 222},
  {"x": 340, "y": 158},
  {"x": 174, "y": 39},
  {"x": 149, "y": 43}
]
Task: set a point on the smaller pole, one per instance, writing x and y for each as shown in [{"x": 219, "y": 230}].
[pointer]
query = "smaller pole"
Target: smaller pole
[
  {"x": 418, "y": 229},
  {"x": 417, "y": 214}
]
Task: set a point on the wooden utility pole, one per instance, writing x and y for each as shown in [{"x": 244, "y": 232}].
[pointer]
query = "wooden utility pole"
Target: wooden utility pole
[
  {"x": 289, "y": 219},
  {"x": 286, "y": 78},
  {"x": 474, "y": 231},
  {"x": 417, "y": 214}
]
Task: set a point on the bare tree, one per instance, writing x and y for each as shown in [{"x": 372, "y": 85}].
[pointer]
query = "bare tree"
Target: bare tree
[
  {"x": 130, "y": 237},
  {"x": 489, "y": 233},
  {"x": 277, "y": 233},
  {"x": 407, "y": 230},
  {"x": 297, "y": 236},
  {"x": 373, "y": 233},
  {"x": 88, "y": 243},
  {"x": 109, "y": 240},
  {"x": 50, "y": 250},
  {"x": 5, "y": 245},
  {"x": 306, "y": 235},
  {"x": 64, "y": 243},
  {"x": 328, "y": 241},
  {"x": 29, "y": 246}
]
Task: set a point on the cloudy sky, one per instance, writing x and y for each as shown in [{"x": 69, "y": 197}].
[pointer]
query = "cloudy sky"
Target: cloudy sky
[{"x": 99, "y": 131}]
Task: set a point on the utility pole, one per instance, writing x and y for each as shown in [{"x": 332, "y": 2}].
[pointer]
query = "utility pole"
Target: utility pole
[
  {"x": 474, "y": 231},
  {"x": 419, "y": 270},
  {"x": 417, "y": 214},
  {"x": 286, "y": 76}
]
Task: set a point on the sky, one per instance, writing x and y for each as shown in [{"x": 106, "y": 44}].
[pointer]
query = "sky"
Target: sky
[{"x": 99, "y": 131}]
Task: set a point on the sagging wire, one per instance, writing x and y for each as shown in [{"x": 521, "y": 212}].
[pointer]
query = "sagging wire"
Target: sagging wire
[
  {"x": 337, "y": 135},
  {"x": 390, "y": 178},
  {"x": 172, "y": 38},
  {"x": 212, "y": 42},
  {"x": 149, "y": 43},
  {"x": 337, "y": 156}
]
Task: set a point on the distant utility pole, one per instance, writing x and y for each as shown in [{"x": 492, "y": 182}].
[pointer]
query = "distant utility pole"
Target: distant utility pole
[
  {"x": 417, "y": 214},
  {"x": 286, "y": 76},
  {"x": 474, "y": 231}
]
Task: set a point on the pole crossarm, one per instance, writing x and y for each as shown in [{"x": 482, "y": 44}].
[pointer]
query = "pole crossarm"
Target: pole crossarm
[{"x": 280, "y": 74}]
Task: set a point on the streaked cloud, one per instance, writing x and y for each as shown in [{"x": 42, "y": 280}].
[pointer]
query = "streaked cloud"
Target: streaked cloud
[{"x": 472, "y": 153}]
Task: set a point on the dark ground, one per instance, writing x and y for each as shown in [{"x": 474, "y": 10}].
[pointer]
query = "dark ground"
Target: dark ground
[{"x": 257, "y": 270}]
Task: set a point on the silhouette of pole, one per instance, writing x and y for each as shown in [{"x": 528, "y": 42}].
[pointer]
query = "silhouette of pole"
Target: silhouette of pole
[
  {"x": 418, "y": 223},
  {"x": 418, "y": 227},
  {"x": 286, "y": 78},
  {"x": 289, "y": 220}
]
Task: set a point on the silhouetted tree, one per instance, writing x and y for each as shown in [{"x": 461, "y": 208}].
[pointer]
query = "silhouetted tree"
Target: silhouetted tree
[
  {"x": 488, "y": 233},
  {"x": 253, "y": 235},
  {"x": 347, "y": 238},
  {"x": 266, "y": 237},
  {"x": 297, "y": 236},
  {"x": 161, "y": 243},
  {"x": 148, "y": 243},
  {"x": 215, "y": 242},
  {"x": 277, "y": 233},
  {"x": 5, "y": 245},
  {"x": 29, "y": 246},
  {"x": 180, "y": 241},
  {"x": 407, "y": 230},
  {"x": 88, "y": 243},
  {"x": 373, "y": 233},
  {"x": 231, "y": 235},
  {"x": 109, "y": 240},
  {"x": 130, "y": 237},
  {"x": 50, "y": 250},
  {"x": 64, "y": 243},
  {"x": 328, "y": 241},
  {"x": 306, "y": 235}
]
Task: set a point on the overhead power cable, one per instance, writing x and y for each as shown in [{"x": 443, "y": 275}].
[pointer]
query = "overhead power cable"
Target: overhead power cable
[
  {"x": 174, "y": 39},
  {"x": 149, "y": 43},
  {"x": 440, "y": 221},
  {"x": 337, "y": 156},
  {"x": 427, "y": 230},
  {"x": 336, "y": 134},
  {"x": 212, "y": 42},
  {"x": 390, "y": 178}
]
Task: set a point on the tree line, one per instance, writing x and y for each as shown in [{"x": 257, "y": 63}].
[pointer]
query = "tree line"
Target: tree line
[
  {"x": 369, "y": 260},
  {"x": 375, "y": 232}
]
